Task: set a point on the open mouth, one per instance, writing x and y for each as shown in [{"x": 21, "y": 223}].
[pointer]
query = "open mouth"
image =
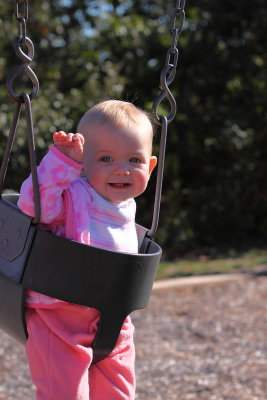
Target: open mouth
[{"x": 119, "y": 185}]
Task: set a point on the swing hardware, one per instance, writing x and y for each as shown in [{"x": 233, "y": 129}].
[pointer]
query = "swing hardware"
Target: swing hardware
[
  {"x": 177, "y": 29},
  {"x": 42, "y": 262},
  {"x": 23, "y": 98},
  {"x": 36, "y": 195},
  {"x": 16, "y": 10},
  {"x": 166, "y": 77},
  {"x": 26, "y": 59},
  {"x": 162, "y": 149},
  {"x": 169, "y": 70}
]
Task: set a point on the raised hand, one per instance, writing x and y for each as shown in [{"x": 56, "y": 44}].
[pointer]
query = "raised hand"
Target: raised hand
[{"x": 70, "y": 144}]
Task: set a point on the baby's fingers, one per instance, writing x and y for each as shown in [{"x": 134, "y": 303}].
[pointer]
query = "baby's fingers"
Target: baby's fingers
[
  {"x": 62, "y": 138},
  {"x": 59, "y": 136},
  {"x": 77, "y": 137}
]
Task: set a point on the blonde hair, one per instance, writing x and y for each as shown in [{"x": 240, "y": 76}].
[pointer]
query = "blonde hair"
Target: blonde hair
[{"x": 116, "y": 113}]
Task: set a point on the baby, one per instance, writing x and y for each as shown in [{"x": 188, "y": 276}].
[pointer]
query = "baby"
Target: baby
[{"x": 88, "y": 182}]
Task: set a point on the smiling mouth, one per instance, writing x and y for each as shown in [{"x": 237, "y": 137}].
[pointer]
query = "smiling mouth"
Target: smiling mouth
[{"x": 119, "y": 185}]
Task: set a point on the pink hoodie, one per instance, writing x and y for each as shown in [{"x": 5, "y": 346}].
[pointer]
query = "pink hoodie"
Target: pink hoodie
[{"x": 71, "y": 208}]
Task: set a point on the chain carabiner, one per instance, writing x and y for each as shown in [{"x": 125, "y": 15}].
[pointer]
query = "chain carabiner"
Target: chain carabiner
[
  {"x": 169, "y": 70},
  {"x": 24, "y": 66},
  {"x": 23, "y": 98},
  {"x": 167, "y": 75}
]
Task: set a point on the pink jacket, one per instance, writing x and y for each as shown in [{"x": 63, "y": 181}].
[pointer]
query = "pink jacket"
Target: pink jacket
[{"x": 71, "y": 208}]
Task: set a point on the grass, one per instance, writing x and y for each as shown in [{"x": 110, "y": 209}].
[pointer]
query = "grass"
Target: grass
[{"x": 253, "y": 260}]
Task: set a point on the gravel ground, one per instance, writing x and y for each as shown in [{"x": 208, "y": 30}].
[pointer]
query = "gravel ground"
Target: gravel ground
[{"x": 200, "y": 342}]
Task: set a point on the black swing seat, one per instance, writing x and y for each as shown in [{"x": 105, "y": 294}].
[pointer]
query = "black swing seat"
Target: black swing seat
[{"x": 30, "y": 258}]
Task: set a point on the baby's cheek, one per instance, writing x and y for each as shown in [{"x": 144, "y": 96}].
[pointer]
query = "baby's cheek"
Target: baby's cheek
[{"x": 141, "y": 181}]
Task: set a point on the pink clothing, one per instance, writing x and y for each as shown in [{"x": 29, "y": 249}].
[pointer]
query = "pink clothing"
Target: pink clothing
[
  {"x": 60, "y": 333},
  {"x": 71, "y": 208},
  {"x": 63, "y": 371}
]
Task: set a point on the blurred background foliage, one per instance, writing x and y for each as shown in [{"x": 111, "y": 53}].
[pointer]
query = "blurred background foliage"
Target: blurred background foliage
[{"x": 215, "y": 187}]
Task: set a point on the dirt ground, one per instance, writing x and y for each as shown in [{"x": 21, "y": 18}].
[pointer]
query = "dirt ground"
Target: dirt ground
[{"x": 196, "y": 342}]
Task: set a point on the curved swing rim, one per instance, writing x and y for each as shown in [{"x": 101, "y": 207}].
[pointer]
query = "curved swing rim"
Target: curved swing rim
[{"x": 45, "y": 265}]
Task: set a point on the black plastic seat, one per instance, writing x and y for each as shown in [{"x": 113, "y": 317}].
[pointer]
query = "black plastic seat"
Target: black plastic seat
[{"x": 30, "y": 258}]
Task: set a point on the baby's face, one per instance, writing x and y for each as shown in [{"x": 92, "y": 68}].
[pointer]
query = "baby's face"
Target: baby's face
[{"x": 118, "y": 161}]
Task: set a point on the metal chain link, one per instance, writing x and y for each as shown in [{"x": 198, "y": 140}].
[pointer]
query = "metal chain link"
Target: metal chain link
[
  {"x": 166, "y": 77},
  {"x": 23, "y": 98},
  {"x": 24, "y": 66},
  {"x": 169, "y": 70},
  {"x": 16, "y": 10},
  {"x": 22, "y": 19},
  {"x": 177, "y": 28}
]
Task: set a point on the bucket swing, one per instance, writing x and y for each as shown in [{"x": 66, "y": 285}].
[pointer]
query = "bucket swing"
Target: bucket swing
[{"x": 34, "y": 259}]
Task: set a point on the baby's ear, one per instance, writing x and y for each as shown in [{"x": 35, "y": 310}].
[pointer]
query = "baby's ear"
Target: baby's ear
[{"x": 153, "y": 163}]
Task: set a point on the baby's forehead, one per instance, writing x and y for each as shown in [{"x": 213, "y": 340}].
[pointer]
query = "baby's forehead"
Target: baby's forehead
[
  {"x": 98, "y": 128},
  {"x": 125, "y": 139}
]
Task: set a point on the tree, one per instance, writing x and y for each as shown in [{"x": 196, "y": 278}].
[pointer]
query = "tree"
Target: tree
[{"x": 215, "y": 191}]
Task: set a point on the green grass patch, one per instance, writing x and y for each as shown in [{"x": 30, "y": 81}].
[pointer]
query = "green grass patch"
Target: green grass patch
[{"x": 253, "y": 260}]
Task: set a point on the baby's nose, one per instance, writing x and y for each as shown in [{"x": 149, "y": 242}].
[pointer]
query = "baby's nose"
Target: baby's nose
[
  {"x": 122, "y": 169},
  {"x": 124, "y": 172}
]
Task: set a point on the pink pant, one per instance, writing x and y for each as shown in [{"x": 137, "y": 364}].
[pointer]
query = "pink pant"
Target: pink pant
[{"x": 60, "y": 355}]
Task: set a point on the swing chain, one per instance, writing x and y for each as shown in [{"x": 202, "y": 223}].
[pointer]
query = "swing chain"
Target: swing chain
[
  {"x": 166, "y": 77},
  {"x": 16, "y": 10},
  {"x": 22, "y": 19},
  {"x": 26, "y": 59},
  {"x": 22, "y": 98},
  {"x": 169, "y": 70},
  {"x": 177, "y": 28}
]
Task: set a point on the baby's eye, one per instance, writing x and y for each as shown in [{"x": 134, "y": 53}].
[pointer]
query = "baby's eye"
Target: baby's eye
[
  {"x": 106, "y": 159},
  {"x": 135, "y": 159}
]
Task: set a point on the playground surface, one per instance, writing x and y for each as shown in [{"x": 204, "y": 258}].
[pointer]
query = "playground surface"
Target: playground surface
[{"x": 194, "y": 341}]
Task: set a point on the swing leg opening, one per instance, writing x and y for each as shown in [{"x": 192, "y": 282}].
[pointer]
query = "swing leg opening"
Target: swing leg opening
[{"x": 12, "y": 299}]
